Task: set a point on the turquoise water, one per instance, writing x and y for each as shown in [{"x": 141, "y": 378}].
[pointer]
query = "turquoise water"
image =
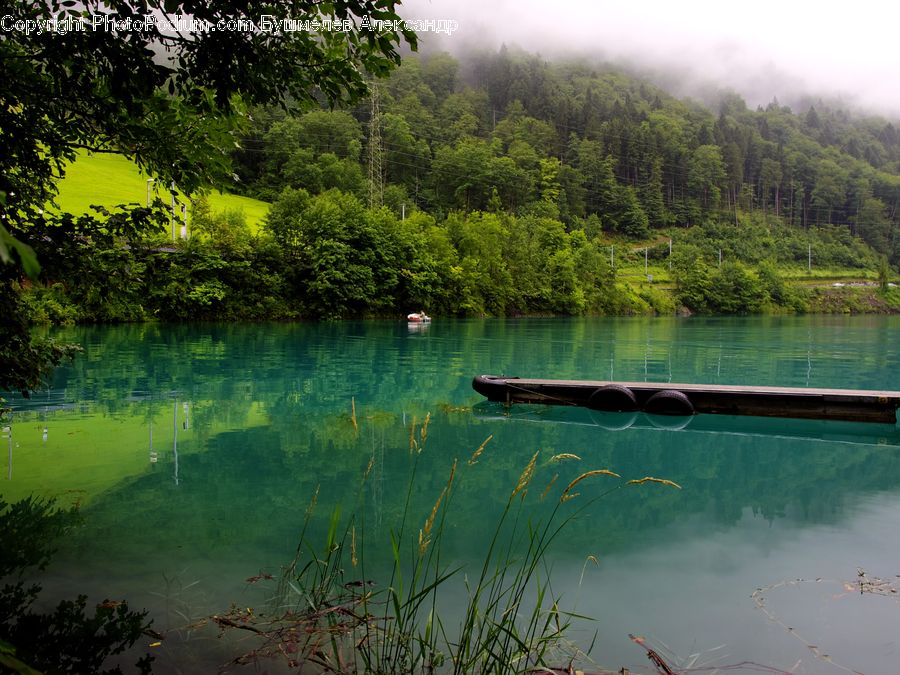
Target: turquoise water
[{"x": 194, "y": 452}]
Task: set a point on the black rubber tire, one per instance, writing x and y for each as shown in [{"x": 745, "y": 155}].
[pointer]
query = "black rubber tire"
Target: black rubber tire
[
  {"x": 613, "y": 398},
  {"x": 669, "y": 422},
  {"x": 669, "y": 402},
  {"x": 614, "y": 421}
]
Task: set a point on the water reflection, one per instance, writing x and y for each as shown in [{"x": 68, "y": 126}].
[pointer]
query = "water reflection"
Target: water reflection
[
  {"x": 722, "y": 426},
  {"x": 252, "y": 485},
  {"x": 243, "y": 424}
]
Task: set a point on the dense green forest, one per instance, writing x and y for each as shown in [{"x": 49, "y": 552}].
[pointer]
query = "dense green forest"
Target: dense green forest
[
  {"x": 503, "y": 184},
  {"x": 504, "y": 130}
]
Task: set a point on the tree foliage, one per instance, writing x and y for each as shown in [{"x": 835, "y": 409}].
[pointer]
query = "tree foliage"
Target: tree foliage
[
  {"x": 121, "y": 76},
  {"x": 167, "y": 98},
  {"x": 506, "y": 130},
  {"x": 506, "y": 181}
]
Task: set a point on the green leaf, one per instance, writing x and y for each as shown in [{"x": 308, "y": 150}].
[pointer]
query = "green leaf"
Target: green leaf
[
  {"x": 27, "y": 257},
  {"x": 8, "y": 660}
]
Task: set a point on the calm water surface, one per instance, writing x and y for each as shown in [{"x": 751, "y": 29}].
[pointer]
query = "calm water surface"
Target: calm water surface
[{"x": 194, "y": 451}]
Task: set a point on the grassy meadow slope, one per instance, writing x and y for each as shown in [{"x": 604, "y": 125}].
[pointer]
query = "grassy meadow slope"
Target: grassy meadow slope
[{"x": 109, "y": 180}]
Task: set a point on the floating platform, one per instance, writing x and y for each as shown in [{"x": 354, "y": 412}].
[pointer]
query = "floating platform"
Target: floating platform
[{"x": 666, "y": 398}]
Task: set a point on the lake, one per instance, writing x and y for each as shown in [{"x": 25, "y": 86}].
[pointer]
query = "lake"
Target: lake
[{"x": 194, "y": 452}]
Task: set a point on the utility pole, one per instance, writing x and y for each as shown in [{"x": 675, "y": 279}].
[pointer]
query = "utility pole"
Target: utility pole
[
  {"x": 7, "y": 431},
  {"x": 175, "y": 436},
  {"x": 720, "y": 257},
  {"x": 612, "y": 257},
  {"x": 376, "y": 176},
  {"x": 172, "y": 215},
  {"x": 150, "y": 182}
]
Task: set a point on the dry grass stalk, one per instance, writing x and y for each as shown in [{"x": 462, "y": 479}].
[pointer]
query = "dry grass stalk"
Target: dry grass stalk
[
  {"x": 412, "y": 435},
  {"x": 475, "y": 455},
  {"x": 353, "y": 559},
  {"x": 568, "y": 494},
  {"x": 651, "y": 479},
  {"x": 424, "y": 432},
  {"x": 312, "y": 502},
  {"x": 353, "y": 414},
  {"x": 425, "y": 532},
  {"x": 549, "y": 485},
  {"x": 526, "y": 476},
  {"x": 452, "y": 474},
  {"x": 564, "y": 455}
]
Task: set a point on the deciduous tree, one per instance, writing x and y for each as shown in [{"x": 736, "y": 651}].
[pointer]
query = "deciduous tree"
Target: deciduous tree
[{"x": 123, "y": 76}]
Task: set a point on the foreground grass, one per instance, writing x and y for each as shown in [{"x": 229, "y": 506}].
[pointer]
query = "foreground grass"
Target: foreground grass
[{"x": 329, "y": 616}]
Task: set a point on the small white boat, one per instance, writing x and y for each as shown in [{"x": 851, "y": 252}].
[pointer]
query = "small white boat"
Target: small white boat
[{"x": 418, "y": 317}]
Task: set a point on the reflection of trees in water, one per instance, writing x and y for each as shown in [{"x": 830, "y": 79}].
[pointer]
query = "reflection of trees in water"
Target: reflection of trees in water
[
  {"x": 241, "y": 500},
  {"x": 297, "y": 380},
  {"x": 241, "y": 494},
  {"x": 323, "y": 365},
  {"x": 248, "y": 490}
]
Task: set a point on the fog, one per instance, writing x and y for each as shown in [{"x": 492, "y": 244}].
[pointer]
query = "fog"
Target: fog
[{"x": 792, "y": 50}]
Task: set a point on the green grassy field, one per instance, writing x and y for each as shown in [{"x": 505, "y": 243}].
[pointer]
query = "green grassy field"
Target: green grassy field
[
  {"x": 110, "y": 180},
  {"x": 817, "y": 277}
]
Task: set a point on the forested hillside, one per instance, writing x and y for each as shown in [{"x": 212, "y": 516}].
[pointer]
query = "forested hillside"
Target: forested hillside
[
  {"x": 503, "y": 184},
  {"x": 501, "y": 131}
]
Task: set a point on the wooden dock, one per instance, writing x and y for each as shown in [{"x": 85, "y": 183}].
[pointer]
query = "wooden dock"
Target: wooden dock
[{"x": 687, "y": 399}]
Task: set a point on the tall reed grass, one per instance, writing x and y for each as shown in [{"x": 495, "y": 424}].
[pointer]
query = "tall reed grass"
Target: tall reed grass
[{"x": 329, "y": 617}]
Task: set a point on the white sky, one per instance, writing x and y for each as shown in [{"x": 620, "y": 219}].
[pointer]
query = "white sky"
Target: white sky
[{"x": 761, "y": 49}]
